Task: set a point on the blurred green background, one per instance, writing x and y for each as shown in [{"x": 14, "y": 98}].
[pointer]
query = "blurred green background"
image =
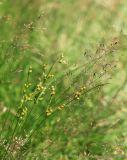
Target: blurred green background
[{"x": 36, "y": 32}]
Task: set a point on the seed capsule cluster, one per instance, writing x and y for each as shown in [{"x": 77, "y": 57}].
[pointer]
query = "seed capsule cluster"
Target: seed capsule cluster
[
  {"x": 62, "y": 60},
  {"x": 27, "y": 97},
  {"x": 61, "y": 107},
  {"x": 22, "y": 112},
  {"x": 78, "y": 94},
  {"x": 30, "y": 69},
  {"x": 53, "y": 91},
  {"x": 49, "y": 111},
  {"x": 40, "y": 87}
]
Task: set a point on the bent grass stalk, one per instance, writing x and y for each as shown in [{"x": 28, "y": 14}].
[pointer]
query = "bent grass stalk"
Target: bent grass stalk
[
  {"x": 17, "y": 122},
  {"x": 40, "y": 93},
  {"x": 20, "y": 128},
  {"x": 42, "y": 121}
]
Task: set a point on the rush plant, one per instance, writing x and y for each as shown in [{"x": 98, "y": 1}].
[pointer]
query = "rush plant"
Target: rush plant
[{"x": 60, "y": 66}]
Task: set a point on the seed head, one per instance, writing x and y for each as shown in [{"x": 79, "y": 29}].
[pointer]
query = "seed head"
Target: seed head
[
  {"x": 61, "y": 107},
  {"x": 30, "y": 69},
  {"x": 49, "y": 111},
  {"x": 62, "y": 60},
  {"x": 77, "y": 95},
  {"x": 53, "y": 91},
  {"x": 40, "y": 87}
]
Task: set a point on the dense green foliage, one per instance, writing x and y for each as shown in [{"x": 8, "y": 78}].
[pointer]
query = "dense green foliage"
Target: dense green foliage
[{"x": 63, "y": 81}]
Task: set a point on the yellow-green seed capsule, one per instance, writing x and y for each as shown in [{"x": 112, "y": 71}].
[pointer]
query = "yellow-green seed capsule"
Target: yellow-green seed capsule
[
  {"x": 61, "y": 107},
  {"x": 30, "y": 69},
  {"x": 77, "y": 95},
  {"x": 53, "y": 91},
  {"x": 62, "y": 60},
  {"x": 49, "y": 111}
]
